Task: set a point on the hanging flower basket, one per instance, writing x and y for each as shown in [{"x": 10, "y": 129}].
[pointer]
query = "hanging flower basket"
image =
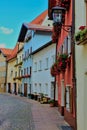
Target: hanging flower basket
[
  {"x": 62, "y": 62},
  {"x": 54, "y": 69},
  {"x": 60, "y": 65}
]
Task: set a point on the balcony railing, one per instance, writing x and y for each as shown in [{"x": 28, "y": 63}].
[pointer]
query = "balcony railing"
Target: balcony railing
[
  {"x": 26, "y": 76},
  {"x": 20, "y": 63}
]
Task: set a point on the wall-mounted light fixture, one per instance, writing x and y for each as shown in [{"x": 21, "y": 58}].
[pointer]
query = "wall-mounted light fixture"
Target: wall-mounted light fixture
[{"x": 58, "y": 16}]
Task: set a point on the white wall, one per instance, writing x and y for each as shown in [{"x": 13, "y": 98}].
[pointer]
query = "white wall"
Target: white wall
[
  {"x": 81, "y": 68},
  {"x": 43, "y": 77}
]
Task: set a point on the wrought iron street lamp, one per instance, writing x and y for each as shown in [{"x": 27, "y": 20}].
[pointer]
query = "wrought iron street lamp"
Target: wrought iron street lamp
[{"x": 58, "y": 14}]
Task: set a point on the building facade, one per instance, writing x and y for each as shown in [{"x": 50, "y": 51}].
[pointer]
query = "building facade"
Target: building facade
[
  {"x": 11, "y": 83},
  {"x": 65, "y": 75},
  {"x": 3, "y": 67},
  {"x": 81, "y": 63}
]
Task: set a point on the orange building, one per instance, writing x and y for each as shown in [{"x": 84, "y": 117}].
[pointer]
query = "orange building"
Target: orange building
[{"x": 65, "y": 72}]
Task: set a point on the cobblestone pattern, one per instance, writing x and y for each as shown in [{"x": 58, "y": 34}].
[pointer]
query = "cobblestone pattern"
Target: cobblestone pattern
[{"x": 15, "y": 114}]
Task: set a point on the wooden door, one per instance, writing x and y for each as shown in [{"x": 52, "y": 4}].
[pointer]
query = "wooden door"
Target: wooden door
[{"x": 25, "y": 89}]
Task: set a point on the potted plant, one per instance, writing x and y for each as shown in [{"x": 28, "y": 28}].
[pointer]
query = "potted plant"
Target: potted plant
[
  {"x": 29, "y": 95},
  {"x": 51, "y": 102},
  {"x": 81, "y": 34}
]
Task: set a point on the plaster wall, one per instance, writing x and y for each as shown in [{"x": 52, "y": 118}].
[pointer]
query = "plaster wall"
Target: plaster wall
[{"x": 81, "y": 68}]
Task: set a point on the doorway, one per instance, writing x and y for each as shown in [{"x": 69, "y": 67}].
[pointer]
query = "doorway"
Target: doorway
[{"x": 25, "y": 89}]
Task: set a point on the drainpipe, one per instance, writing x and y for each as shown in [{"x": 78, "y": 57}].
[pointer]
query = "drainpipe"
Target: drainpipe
[{"x": 73, "y": 62}]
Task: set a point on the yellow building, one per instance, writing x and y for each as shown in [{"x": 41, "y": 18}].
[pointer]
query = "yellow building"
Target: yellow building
[
  {"x": 18, "y": 67},
  {"x": 3, "y": 66},
  {"x": 14, "y": 69},
  {"x": 11, "y": 86}
]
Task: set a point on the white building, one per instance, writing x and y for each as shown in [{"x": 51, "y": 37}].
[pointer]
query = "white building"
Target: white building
[{"x": 43, "y": 58}]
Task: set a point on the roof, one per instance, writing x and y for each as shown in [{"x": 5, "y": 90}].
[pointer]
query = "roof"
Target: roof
[
  {"x": 14, "y": 53},
  {"x": 40, "y": 18},
  {"x": 39, "y": 27},
  {"x": 6, "y": 52},
  {"x": 35, "y": 24}
]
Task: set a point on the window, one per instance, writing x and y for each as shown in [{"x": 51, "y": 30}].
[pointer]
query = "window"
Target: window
[
  {"x": 17, "y": 61},
  {"x": 35, "y": 66},
  {"x": 11, "y": 72},
  {"x": 40, "y": 65},
  {"x": 47, "y": 60},
  {"x": 16, "y": 74},
  {"x": 53, "y": 59},
  {"x": 40, "y": 89},
  {"x": 68, "y": 98},
  {"x": 65, "y": 45},
  {"x": 24, "y": 71},
  {"x": 30, "y": 69},
  {"x": 21, "y": 72},
  {"x": 35, "y": 87},
  {"x": 27, "y": 71},
  {"x": 30, "y": 49},
  {"x": 28, "y": 52},
  {"x": 20, "y": 59}
]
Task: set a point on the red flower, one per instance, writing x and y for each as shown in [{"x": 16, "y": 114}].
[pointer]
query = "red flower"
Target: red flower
[{"x": 81, "y": 27}]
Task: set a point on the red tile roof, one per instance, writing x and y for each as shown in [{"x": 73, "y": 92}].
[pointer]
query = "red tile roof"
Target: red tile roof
[
  {"x": 36, "y": 24},
  {"x": 14, "y": 53},
  {"x": 40, "y": 18},
  {"x": 6, "y": 52}
]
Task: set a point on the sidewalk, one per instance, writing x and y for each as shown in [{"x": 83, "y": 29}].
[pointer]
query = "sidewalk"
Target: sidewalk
[{"x": 46, "y": 117}]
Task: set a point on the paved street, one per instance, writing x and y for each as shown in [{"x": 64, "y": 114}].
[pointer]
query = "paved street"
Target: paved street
[{"x": 21, "y": 113}]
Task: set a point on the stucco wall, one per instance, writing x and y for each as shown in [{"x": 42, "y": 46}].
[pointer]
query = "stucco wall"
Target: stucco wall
[
  {"x": 43, "y": 76},
  {"x": 81, "y": 69}
]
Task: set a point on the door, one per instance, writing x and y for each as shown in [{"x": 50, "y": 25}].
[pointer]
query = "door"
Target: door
[
  {"x": 25, "y": 89},
  {"x": 9, "y": 87}
]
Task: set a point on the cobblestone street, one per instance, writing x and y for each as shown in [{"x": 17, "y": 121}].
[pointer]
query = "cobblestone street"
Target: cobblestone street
[
  {"x": 15, "y": 114},
  {"x": 20, "y": 113}
]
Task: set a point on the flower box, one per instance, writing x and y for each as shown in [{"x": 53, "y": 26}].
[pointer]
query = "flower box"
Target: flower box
[{"x": 81, "y": 35}]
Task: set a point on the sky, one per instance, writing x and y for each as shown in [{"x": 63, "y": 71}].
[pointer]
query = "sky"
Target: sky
[{"x": 13, "y": 13}]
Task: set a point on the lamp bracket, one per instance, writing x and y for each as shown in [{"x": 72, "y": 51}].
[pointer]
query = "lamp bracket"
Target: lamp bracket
[{"x": 67, "y": 28}]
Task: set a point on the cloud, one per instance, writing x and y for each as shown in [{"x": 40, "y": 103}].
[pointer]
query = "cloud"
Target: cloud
[
  {"x": 2, "y": 45},
  {"x": 6, "y": 30}
]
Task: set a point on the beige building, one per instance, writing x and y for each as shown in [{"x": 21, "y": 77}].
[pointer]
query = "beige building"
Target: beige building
[
  {"x": 81, "y": 64},
  {"x": 3, "y": 66},
  {"x": 11, "y": 84},
  {"x": 18, "y": 67},
  {"x": 14, "y": 69}
]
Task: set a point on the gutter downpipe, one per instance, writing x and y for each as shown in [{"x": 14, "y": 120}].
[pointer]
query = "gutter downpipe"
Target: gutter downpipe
[{"x": 73, "y": 63}]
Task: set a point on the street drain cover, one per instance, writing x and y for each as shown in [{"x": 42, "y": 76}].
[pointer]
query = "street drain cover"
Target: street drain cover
[{"x": 66, "y": 128}]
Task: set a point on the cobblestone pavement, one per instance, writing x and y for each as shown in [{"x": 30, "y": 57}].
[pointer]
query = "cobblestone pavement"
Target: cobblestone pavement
[
  {"x": 15, "y": 114},
  {"x": 21, "y": 113}
]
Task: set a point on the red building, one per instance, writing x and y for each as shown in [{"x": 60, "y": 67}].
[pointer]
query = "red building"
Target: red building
[{"x": 65, "y": 74}]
